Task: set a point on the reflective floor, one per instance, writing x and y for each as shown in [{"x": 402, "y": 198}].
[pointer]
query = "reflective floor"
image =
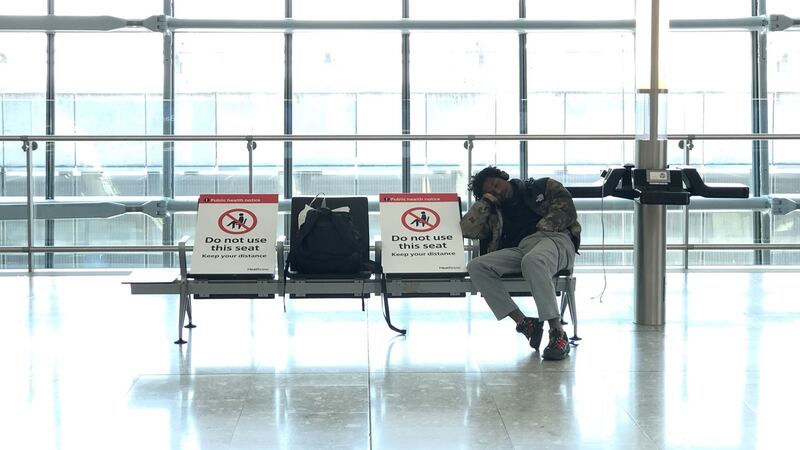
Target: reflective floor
[{"x": 87, "y": 365}]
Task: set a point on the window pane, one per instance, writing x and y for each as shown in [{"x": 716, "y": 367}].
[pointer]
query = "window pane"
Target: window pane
[
  {"x": 23, "y": 70},
  {"x": 463, "y": 9},
  {"x": 710, "y": 92},
  {"x": 110, "y": 63},
  {"x": 106, "y": 84},
  {"x": 712, "y": 9},
  {"x": 710, "y": 227},
  {"x": 709, "y": 84},
  {"x": 224, "y": 87},
  {"x": 462, "y": 83},
  {"x": 789, "y": 8},
  {"x": 228, "y": 9},
  {"x": 582, "y": 9},
  {"x": 346, "y": 83},
  {"x": 23, "y": 63},
  {"x": 783, "y": 53},
  {"x": 578, "y": 84},
  {"x": 127, "y": 9},
  {"x": 29, "y": 7},
  {"x": 582, "y": 83},
  {"x": 346, "y": 9}
]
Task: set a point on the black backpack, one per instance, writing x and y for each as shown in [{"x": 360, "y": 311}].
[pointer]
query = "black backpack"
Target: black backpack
[{"x": 327, "y": 242}]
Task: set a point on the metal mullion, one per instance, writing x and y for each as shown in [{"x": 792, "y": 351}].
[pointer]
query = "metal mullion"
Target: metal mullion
[
  {"x": 168, "y": 147},
  {"x": 405, "y": 164},
  {"x": 287, "y": 117},
  {"x": 288, "y": 170},
  {"x": 523, "y": 95},
  {"x": 50, "y": 128},
  {"x": 760, "y": 160}
]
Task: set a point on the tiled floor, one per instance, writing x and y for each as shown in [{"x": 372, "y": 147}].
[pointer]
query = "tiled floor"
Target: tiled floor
[{"x": 87, "y": 365}]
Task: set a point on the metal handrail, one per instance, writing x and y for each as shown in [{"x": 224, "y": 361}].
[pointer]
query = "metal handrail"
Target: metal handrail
[
  {"x": 165, "y": 23},
  {"x": 189, "y": 248},
  {"x": 388, "y": 137}
]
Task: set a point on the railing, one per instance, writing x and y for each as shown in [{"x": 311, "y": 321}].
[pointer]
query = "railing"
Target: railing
[
  {"x": 30, "y": 142},
  {"x": 163, "y": 24}
]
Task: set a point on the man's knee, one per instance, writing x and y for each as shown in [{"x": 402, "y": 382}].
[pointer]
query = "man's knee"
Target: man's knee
[
  {"x": 477, "y": 265},
  {"x": 534, "y": 262}
]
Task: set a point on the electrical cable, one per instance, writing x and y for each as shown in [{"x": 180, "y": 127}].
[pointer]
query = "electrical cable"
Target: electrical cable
[{"x": 602, "y": 243}]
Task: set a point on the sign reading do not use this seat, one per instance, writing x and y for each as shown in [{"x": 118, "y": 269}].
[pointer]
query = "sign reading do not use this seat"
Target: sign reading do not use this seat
[
  {"x": 235, "y": 234},
  {"x": 421, "y": 233}
]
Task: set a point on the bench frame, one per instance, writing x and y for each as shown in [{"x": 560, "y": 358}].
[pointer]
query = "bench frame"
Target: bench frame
[{"x": 407, "y": 286}]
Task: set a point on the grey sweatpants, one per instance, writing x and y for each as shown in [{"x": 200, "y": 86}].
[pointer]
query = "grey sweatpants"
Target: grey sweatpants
[{"x": 539, "y": 257}]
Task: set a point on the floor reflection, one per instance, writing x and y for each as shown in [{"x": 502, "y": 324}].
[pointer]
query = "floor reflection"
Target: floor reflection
[{"x": 88, "y": 365}]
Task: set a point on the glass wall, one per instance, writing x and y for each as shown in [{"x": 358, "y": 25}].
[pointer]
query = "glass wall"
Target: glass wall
[
  {"x": 710, "y": 86},
  {"x": 23, "y": 82},
  {"x": 588, "y": 91},
  {"x": 224, "y": 87},
  {"x": 462, "y": 84},
  {"x": 783, "y": 74},
  {"x": 346, "y": 83},
  {"x": 109, "y": 86},
  {"x": 351, "y": 82}
]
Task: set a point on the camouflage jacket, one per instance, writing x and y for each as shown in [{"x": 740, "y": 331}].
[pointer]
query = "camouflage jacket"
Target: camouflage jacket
[{"x": 545, "y": 196}]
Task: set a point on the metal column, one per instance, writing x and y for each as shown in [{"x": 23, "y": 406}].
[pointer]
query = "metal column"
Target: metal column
[{"x": 650, "y": 245}]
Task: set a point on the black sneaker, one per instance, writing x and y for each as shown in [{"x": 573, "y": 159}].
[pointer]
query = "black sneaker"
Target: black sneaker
[
  {"x": 558, "y": 348},
  {"x": 533, "y": 330}
]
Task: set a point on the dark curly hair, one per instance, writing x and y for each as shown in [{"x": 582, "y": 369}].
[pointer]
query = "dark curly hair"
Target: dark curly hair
[{"x": 476, "y": 181}]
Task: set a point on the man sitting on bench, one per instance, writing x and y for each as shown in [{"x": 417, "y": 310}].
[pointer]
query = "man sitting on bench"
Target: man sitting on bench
[{"x": 531, "y": 228}]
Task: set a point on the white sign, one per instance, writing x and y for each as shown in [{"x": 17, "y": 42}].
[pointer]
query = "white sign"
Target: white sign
[
  {"x": 235, "y": 234},
  {"x": 421, "y": 233}
]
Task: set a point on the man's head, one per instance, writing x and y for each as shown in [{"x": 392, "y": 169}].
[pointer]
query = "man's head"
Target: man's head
[{"x": 493, "y": 181}]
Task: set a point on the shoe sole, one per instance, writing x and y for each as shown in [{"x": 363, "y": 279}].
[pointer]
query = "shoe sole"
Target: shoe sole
[
  {"x": 536, "y": 339},
  {"x": 559, "y": 357},
  {"x": 555, "y": 358}
]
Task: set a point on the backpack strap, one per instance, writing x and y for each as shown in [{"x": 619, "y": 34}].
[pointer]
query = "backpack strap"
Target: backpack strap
[
  {"x": 322, "y": 203},
  {"x": 311, "y": 220}
]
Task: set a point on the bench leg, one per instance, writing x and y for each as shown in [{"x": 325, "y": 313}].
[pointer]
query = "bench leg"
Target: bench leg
[
  {"x": 570, "y": 297},
  {"x": 564, "y": 304},
  {"x": 189, "y": 312},
  {"x": 386, "y": 315},
  {"x": 182, "y": 309}
]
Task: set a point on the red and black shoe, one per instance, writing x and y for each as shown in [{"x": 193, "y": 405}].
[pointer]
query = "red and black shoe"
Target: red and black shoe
[
  {"x": 558, "y": 348},
  {"x": 533, "y": 330}
]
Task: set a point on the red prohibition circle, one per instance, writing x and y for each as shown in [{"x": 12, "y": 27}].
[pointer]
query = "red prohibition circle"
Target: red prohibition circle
[
  {"x": 416, "y": 218},
  {"x": 230, "y": 219}
]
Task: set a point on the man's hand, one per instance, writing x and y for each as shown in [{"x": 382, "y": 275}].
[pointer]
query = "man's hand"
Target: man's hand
[{"x": 491, "y": 199}]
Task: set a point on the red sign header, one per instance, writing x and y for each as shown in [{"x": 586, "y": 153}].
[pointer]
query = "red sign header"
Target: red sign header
[
  {"x": 418, "y": 198},
  {"x": 238, "y": 198}
]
